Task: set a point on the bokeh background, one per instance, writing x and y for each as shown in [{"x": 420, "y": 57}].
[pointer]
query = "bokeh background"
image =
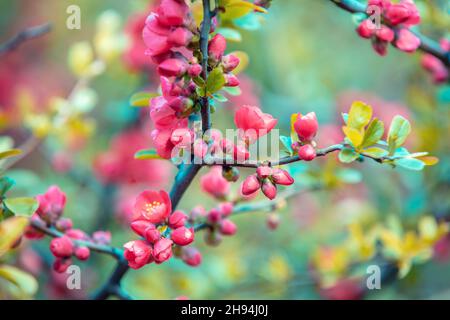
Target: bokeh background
[{"x": 304, "y": 55}]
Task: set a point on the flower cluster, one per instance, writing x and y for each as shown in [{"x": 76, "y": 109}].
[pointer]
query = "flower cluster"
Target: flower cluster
[
  {"x": 436, "y": 67},
  {"x": 306, "y": 129},
  {"x": 160, "y": 229},
  {"x": 266, "y": 179},
  {"x": 396, "y": 18},
  {"x": 49, "y": 213},
  {"x": 172, "y": 41}
]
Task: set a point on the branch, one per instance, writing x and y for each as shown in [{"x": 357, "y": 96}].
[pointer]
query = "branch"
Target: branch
[
  {"x": 426, "y": 44},
  {"x": 52, "y": 232},
  {"x": 23, "y": 36}
]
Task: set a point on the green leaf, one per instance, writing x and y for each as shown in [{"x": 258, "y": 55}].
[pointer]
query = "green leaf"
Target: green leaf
[
  {"x": 147, "y": 154},
  {"x": 22, "y": 206},
  {"x": 375, "y": 152},
  {"x": 373, "y": 134},
  {"x": 348, "y": 155},
  {"x": 230, "y": 34},
  {"x": 215, "y": 81},
  {"x": 142, "y": 99},
  {"x": 410, "y": 164},
  {"x": 25, "y": 283},
  {"x": 220, "y": 97},
  {"x": 10, "y": 231},
  {"x": 287, "y": 143},
  {"x": 359, "y": 115},
  {"x": 398, "y": 132},
  {"x": 345, "y": 117},
  {"x": 234, "y": 91},
  {"x": 5, "y": 184},
  {"x": 199, "y": 81}
]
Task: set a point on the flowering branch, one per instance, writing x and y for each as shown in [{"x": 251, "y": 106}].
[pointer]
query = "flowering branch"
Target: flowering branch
[
  {"x": 426, "y": 44},
  {"x": 25, "y": 35}
]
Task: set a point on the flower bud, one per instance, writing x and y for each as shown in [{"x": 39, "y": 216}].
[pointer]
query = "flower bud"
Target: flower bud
[
  {"x": 231, "y": 80},
  {"x": 306, "y": 126},
  {"x": 61, "y": 247},
  {"x": 191, "y": 256},
  {"x": 212, "y": 238},
  {"x": 61, "y": 265},
  {"x": 196, "y": 213},
  {"x": 217, "y": 47},
  {"x": 264, "y": 171},
  {"x": 162, "y": 250},
  {"x": 195, "y": 70},
  {"x": 229, "y": 62},
  {"x": 177, "y": 219},
  {"x": 280, "y": 176},
  {"x": 82, "y": 253},
  {"x": 273, "y": 220},
  {"x": 152, "y": 235},
  {"x": 307, "y": 152},
  {"x": 140, "y": 226},
  {"x": 227, "y": 227},
  {"x": 64, "y": 224},
  {"x": 366, "y": 29},
  {"x": 231, "y": 174},
  {"x": 269, "y": 189},
  {"x": 226, "y": 208},
  {"x": 214, "y": 216},
  {"x": 250, "y": 185},
  {"x": 51, "y": 204},
  {"x": 76, "y": 234},
  {"x": 183, "y": 236},
  {"x": 102, "y": 237}
]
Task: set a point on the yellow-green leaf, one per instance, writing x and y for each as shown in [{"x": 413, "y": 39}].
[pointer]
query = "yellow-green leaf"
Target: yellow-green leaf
[
  {"x": 375, "y": 152},
  {"x": 373, "y": 134},
  {"x": 22, "y": 206},
  {"x": 429, "y": 160},
  {"x": 359, "y": 115},
  {"x": 147, "y": 154},
  {"x": 238, "y": 8},
  {"x": 25, "y": 283},
  {"x": 142, "y": 99},
  {"x": 215, "y": 81},
  {"x": 10, "y": 153},
  {"x": 10, "y": 231},
  {"x": 294, "y": 136},
  {"x": 354, "y": 135},
  {"x": 398, "y": 132}
]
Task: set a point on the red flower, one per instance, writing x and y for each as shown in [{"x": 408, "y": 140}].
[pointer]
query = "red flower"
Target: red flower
[
  {"x": 138, "y": 253},
  {"x": 217, "y": 47},
  {"x": 307, "y": 152},
  {"x": 177, "y": 219},
  {"x": 253, "y": 123},
  {"x": 51, "y": 204},
  {"x": 162, "y": 250},
  {"x": 153, "y": 206}
]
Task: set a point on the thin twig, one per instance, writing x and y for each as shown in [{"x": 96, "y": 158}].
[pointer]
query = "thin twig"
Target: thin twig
[{"x": 23, "y": 36}]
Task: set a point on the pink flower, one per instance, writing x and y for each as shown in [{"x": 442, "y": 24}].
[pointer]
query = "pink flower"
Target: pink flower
[
  {"x": 231, "y": 80},
  {"x": 172, "y": 67},
  {"x": 253, "y": 123},
  {"x": 152, "y": 235},
  {"x": 250, "y": 185},
  {"x": 141, "y": 226},
  {"x": 282, "y": 177},
  {"x": 182, "y": 236},
  {"x": 214, "y": 215},
  {"x": 227, "y": 227},
  {"x": 269, "y": 189},
  {"x": 191, "y": 256},
  {"x": 306, "y": 126},
  {"x": 138, "y": 253},
  {"x": 214, "y": 183},
  {"x": 173, "y": 12},
  {"x": 177, "y": 219},
  {"x": 404, "y": 12},
  {"x": 82, "y": 253},
  {"x": 195, "y": 70},
  {"x": 226, "y": 208},
  {"x": 162, "y": 250},
  {"x": 435, "y": 66},
  {"x": 180, "y": 37},
  {"x": 154, "y": 206},
  {"x": 51, "y": 204},
  {"x": 61, "y": 247},
  {"x": 163, "y": 116},
  {"x": 307, "y": 152},
  {"x": 264, "y": 171},
  {"x": 407, "y": 41},
  {"x": 217, "y": 47},
  {"x": 64, "y": 224}
]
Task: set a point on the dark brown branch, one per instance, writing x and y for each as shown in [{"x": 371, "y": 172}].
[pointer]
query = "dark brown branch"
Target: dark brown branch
[{"x": 23, "y": 36}]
